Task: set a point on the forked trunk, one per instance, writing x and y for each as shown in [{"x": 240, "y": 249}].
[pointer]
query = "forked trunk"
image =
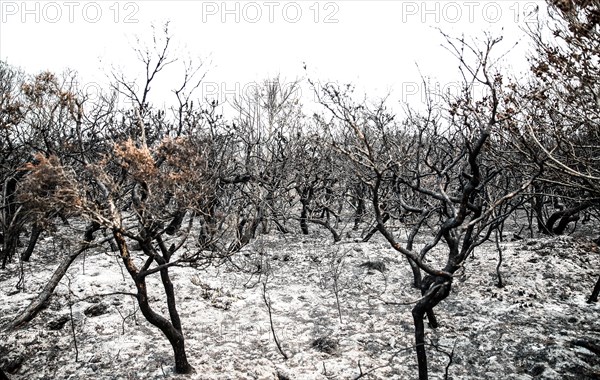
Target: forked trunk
[
  {"x": 174, "y": 335},
  {"x": 170, "y": 328},
  {"x": 437, "y": 291}
]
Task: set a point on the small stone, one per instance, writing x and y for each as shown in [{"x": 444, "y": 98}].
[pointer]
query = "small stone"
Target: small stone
[
  {"x": 12, "y": 364},
  {"x": 325, "y": 344},
  {"x": 58, "y": 323},
  {"x": 96, "y": 310}
]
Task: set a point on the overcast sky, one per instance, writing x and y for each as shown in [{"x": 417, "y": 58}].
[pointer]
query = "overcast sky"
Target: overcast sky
[{"x": 374, "y": 44}]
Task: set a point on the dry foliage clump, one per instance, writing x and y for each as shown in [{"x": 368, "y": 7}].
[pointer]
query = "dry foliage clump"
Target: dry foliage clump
[
  {"x": 184, "y": 172},
  {"x": 45, "y": 83},
  {"x": 50, "y": 186},
  {"x": 136, "y": 161},
  {"x": 11, "y": 113}
]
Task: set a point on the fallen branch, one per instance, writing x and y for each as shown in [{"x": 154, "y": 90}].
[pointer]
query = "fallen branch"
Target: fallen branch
[{"x": 42, "y": 299}]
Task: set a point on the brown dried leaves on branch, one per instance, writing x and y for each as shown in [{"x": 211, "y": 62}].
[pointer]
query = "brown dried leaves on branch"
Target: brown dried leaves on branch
[
  {"x": 138, "y": 162},
  {"x": 50, "y": 186},
  {"x": 175, "y": 170},
  {"x": 176, "y": 167}
]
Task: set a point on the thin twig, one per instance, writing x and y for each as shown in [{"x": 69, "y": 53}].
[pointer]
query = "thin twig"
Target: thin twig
[
  {"x": 73, "y": 331},
  {"x": 268, "y": 304},
  {"x": 500, "y": 283},
  {"x": 450, "y": 357}
]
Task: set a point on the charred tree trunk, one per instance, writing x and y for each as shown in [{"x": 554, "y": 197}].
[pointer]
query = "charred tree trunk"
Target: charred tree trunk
[
  {"x": 538, "y": 209},
  {"x": 418, "y": 314},
  {"x": 361, "y": 205},
  {"x": 174, "y": 335},
  {"x": 12, "y": 221},
  {"x": 171, "y": 329},
  {"x": 416, "y": 271},
  {"x": 563, "y": 223},
  {"x": 595, "y": 292},
  {"x": 36, "y": 231},
  {"x": 304, "y": 219},
  {"x": 176, "y": 222},
  {"x": 414, "y": 267},
  {"x": 529, "y": 215},
  {"x": 437, "y": 292},
  {"x": 500, "y": 283},
  {"x": 303, "y": 224},
  {"x": 360, "y": 212},
  {"x": 11, "y": 241},
  {"x": 564, "y": 217},
  {"x": 305, "y": 193}
]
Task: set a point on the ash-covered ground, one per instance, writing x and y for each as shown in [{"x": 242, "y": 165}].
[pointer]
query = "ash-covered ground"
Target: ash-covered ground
[{"x": 538, "y": 326}]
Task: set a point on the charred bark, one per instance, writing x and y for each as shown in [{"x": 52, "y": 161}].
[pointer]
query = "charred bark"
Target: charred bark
[
  {"x": 416, "y": 271},
  {"x": 36, "y": 231},
  {"x": 303, "y": 218},
  {"x": 595, "y": 292},
  {"x": 538, "y": 209},
  {"x": 13, "y": 221},
  {"x": 305, "y": 197},
  {"x": 564, "y": 217},
  {"x": 325, "y": 223},
  {"x": 176, "y": 222},
  {"x": 437, "y": 292},
  {"x": 171, "y": 329},
  {"x": 360, "y": 211}
]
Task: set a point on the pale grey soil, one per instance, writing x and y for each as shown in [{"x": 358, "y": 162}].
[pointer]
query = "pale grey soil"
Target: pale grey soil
[{"x": 525, "y": 330}]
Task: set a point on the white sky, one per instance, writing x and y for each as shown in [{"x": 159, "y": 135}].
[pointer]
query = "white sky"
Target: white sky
[{"x": 374, "y": 44}]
